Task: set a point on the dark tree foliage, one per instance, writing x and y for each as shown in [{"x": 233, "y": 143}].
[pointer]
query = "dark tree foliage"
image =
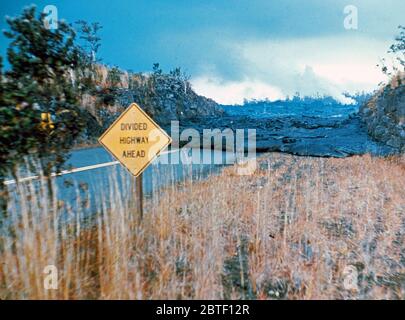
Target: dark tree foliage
[
  {"x": 39, "y": 111},
  {"x": 157, "y": 71},
  {"x": 397, "y": 50},
  {"x": 399, "y": 46},
  {"x": 89, "y": 33},
  {"x": 114, "y": 77},
  {"x": 90, "y": 43}
]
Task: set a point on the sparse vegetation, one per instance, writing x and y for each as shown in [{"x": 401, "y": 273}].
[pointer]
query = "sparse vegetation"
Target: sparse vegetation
[
  {"x": 397, "y": 55},
  {"x": 288, "y": 231}
]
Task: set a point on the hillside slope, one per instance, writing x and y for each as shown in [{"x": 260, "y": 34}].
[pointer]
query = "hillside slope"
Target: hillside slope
[
  {"x": 384, "y": 114},
  {"x": 165, "y": 97}
]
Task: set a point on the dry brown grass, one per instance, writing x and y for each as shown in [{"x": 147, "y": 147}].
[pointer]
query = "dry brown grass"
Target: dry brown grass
[{"x": 288, "y": 231}]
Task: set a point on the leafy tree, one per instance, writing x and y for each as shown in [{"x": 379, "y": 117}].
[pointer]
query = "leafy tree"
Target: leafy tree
[
  {"x": 399, "y": 46},
  {"x": 182, "y": 77},
  {"x": 157, "y": 71},
  {"x": 175, "y": 73},
  {"x": 89, "y": 46},
  {"x": 39, "y": 82},
  {"x": 89, "y": 34},
  {"x": 397, "y": 51}
]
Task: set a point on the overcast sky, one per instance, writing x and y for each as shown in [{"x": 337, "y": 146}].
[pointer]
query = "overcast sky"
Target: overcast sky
[{"x": 242, "y": 49}]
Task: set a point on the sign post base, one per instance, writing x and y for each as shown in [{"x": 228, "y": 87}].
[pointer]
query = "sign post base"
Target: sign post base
[{"x": 138, "y": 197}]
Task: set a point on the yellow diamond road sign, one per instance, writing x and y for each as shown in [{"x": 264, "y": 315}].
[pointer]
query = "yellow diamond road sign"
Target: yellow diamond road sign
[{"x": 134, "y": 139}]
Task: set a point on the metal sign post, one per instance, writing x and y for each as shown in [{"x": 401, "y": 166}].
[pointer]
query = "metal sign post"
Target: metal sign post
[
  {"x": 139, "y": 197},
  {"x": 135, "y": 140}
]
